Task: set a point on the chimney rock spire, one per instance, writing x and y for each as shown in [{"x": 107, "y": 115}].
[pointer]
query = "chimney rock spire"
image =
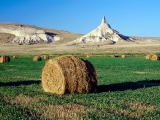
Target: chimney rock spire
[{"x": 103, "y": 19}]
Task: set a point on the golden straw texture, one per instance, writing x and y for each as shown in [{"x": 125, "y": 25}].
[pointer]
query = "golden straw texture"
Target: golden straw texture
[
  {"x": 46, "y": 57},
  {"x": 37, "y": 58},
  {"x": 15, "y": 57},
  {"x": 4, "y": 59},
  {"x": 69, "y": 74},
  {"x": 88, "y": 56},
  {"x": 155, "y": 57},
  {"x": 123, "y": 56},
  {"x": 148, "y": 56},
  {"x": 114, "y": 56}
]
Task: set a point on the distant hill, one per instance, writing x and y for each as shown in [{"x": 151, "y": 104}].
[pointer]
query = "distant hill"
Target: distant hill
[{"x": 28, "y": 34}]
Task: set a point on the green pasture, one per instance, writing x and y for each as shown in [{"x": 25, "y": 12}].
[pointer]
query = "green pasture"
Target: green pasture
[{"x": 128, "y": 89}]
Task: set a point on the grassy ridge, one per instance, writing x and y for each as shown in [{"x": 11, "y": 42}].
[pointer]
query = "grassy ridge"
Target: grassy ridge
[{"x": 127, "y": 89}]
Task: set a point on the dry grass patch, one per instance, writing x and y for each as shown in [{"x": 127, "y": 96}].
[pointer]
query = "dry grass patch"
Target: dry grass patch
[
  {"x": 13, "y": 77},
  {"x": 140, "y": 72},
  {"x": 69, "y": 74},
  {"x": 139, "y": 109},
  {"x": 24, "y": 100},
  {"x": 133, "y": 110},
  {"x": 64, "y": 112}
]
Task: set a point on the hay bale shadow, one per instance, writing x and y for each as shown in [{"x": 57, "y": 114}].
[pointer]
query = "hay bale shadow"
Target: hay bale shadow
[
  {"x": 18, "y": 83},
  {"x": 128, "y": 86}
]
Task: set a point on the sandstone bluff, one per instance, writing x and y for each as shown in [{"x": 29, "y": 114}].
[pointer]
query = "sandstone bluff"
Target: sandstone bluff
[
  {"x": 103, "y": 32},
  {"x": 25, "y": 34}
]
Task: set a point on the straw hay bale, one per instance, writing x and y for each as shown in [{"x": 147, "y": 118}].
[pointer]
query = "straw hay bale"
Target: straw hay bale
[
  {"x": 37, "y": 58},
  {"x": 123, "y": 56},
  {"x": 114, "y": 56},
  {"x": 155, "y": 57},
  {"x": 4, "y": 59},
  {"x": 15, "y": 57},
  {"x": 69, "y": 74},
  {"x": 148, "y": 56},
  {"x": 46, "y": 57},
  {"x": 88, "y": 56}
]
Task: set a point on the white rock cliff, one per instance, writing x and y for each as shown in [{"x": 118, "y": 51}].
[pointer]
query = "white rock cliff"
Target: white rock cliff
[
  {"x": 28, "y": 35},
  {"x": 104, "y": 32}
]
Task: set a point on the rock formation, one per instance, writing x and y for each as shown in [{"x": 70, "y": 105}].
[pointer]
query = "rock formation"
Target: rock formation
[
  {"x": 104, "y": 32},
  {"x": 28, "y": 34}
]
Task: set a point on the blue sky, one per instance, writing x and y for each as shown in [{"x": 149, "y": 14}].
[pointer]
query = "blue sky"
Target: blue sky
[{"x": 129, "y": 17}]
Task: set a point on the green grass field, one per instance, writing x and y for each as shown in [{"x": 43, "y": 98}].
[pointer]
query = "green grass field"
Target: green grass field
[{"x": 128, "y": 88}]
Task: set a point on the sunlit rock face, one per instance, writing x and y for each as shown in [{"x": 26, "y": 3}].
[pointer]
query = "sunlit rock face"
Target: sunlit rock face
[
  {"x": 28, "y": 35},
  {"x": 103, "y": 32}
]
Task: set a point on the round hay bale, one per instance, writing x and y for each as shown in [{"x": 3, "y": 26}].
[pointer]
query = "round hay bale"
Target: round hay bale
[
  {"x": 148, "y": 56},
  {"x": 88, "y": 56},
  {"x": 37, "y": 58},
  {"x": 69, "y": 74},
  {"x": 4, "y": 59},
  {"x": 123, "y": 56},
  {"x": 155, "y": 57},
  {"x": 46, "y": 57},
  {"x": 114, "y": 56},
  {"x": 15, "y": 57}
]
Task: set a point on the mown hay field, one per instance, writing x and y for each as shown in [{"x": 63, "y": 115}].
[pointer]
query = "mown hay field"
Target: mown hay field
[{"x": 127, "y": 89}]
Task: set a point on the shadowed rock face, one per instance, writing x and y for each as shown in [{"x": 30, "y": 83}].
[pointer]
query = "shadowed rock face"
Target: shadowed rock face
[
  {"x": 104, "y": 32},
  {"x": 28, "y": 35}
]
